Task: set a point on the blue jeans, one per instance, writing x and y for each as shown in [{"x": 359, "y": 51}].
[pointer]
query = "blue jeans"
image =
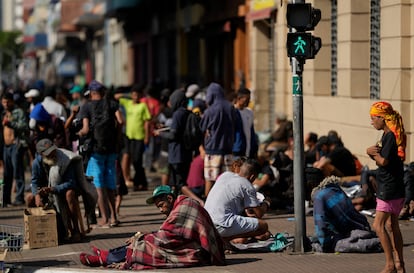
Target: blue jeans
[{"x": 13, "y": 169}]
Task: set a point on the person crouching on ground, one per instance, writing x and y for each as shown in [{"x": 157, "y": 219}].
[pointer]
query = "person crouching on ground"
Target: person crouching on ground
[{"x": 57, "y": 180}]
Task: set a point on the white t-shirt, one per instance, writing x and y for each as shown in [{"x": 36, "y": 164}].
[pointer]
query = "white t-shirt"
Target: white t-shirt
[{"x": 230, "y": 195}]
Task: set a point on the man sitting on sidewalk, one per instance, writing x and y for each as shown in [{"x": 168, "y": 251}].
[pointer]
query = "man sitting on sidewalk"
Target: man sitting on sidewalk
[
  {"x": 186, "y": 238},
  {"x": 233, "y": 195}
]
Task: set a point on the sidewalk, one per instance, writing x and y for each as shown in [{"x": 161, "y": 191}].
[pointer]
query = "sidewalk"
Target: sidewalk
[{"x": 137, "y": 216}]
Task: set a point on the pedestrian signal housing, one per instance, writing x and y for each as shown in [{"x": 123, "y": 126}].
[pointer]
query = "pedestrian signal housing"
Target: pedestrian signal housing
[{"x": 302, "y": 44}]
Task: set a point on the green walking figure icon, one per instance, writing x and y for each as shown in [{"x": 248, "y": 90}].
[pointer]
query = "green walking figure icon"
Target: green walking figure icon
[{"x": 299, "y": 45}]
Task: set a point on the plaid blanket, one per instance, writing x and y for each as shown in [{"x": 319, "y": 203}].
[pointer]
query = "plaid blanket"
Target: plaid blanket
[{"x": 186, "y": 238}]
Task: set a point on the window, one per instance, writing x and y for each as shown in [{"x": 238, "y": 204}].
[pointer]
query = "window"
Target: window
[
  {"x": 375, "y": 69},
  {"x": 334, "y": 48}
]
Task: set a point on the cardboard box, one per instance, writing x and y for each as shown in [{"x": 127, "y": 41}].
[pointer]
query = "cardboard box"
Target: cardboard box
[{"x": 40, "y": 228}]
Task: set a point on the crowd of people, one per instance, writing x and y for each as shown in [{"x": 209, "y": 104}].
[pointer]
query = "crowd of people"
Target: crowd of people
[{"x": 85, "y": 143}]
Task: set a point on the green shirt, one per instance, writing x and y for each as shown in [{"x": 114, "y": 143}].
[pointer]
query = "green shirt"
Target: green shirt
[{"x": 136, "y": 116}]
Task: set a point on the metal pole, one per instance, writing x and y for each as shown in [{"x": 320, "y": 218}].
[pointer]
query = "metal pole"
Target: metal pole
[{"x": 298, "y": 155}]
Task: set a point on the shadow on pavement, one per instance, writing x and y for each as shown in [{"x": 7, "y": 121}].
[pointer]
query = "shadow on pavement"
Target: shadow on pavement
[{"x": 232, "y": 261}]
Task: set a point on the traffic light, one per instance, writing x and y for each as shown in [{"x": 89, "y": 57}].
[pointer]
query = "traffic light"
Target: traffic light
[{"x": 301, "y": 44}]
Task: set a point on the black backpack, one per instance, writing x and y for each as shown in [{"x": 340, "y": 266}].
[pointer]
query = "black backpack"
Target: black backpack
[
  {"x": 103, "y": 128},
  {"x": 192, "y": 135}
]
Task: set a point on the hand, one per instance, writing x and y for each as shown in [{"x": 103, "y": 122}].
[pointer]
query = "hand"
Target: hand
[
  {"x": 38, "y": 201},
  {"x": 373, "y": 150},
  {"x": 138, "y": 236},
  {"x": 45, "y": 191},
  {"x": 130, "y": 240},
  {"x": 75, "y": 109}
]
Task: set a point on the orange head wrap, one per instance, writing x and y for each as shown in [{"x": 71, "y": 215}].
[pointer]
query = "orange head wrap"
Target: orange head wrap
[{"x": 394, "y": 122}]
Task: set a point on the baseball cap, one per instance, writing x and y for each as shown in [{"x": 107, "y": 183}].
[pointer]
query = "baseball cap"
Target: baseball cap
[
  {"x": 160, "y": 190},
  {"x": 94, "y": 85},
  {"x": 192, "y": 90},
  {"x": 32, "y": 93},
  {"x": 75, "y": 89},
  {"x": 45, "y": 147}
]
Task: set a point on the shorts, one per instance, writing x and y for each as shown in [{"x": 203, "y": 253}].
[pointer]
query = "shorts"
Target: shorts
[
  {"x": 214, "y": 165},
  {"x": 163, "y": 163},
  {"x": 240, "y": 225},
  {"x": 102, "y": 168},
  {"x": 393, "y": 206}
]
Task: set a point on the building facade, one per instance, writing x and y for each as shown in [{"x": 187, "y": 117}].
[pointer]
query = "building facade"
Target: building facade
[{"x": 367, "y": 55}]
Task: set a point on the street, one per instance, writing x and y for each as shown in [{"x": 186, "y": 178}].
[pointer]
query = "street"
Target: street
[{"x": 136, "y": 215}]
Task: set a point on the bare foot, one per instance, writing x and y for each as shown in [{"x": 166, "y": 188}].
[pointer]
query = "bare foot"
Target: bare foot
[
  {"x": 388, "y": 270},
  {"x": 399, "y": 266}
]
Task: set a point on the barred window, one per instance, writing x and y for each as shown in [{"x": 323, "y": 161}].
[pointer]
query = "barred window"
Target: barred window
[
  {"x": 334, "y": 48},
  {"x": 375, "y": 64}
]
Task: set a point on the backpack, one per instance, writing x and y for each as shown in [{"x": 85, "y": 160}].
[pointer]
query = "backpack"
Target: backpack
[
  {"x": 192, "y": 135},
  {"x": 103, "y": 128}
]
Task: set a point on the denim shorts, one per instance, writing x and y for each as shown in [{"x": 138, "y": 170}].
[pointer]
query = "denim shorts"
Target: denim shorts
[
  {"x": 102, "y": 168},
  {"x": 240, "y": 225}
]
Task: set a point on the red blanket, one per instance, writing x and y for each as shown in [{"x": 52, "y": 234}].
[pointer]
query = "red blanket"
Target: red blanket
[{"x": 186, "y": 238}]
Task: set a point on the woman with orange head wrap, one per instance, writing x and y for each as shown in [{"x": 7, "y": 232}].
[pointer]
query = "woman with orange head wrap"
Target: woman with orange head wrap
[
  {"x": 394, "y": 122},
  {"x": 389, "y": 154}
]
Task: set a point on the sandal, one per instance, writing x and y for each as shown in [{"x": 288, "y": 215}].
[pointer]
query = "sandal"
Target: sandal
[
  {"x": 102, "y": 226},
  {"x": 115, "y": 223}
]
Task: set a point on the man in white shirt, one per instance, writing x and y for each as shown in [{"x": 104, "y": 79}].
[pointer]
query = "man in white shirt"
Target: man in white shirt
[{"x": 233, "y": 195}]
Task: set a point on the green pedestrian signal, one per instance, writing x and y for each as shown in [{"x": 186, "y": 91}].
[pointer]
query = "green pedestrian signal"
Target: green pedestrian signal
[
  {"x": 302, "y": 45},
  {"x": 302, "y": 17},
  {"x": 299, "y": 44}
]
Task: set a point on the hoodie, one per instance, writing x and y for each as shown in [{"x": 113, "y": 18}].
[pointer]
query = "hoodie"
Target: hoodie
[
  {"x": 40, "y": 114},
  {"x": 218, "y": 122},
  {"x": 176, "y": 151}
]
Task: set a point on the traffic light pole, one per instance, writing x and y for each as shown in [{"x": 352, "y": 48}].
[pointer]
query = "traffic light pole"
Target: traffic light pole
[
  {"x": 298, "y": 155},
  {"x": 301, "y": 45}
]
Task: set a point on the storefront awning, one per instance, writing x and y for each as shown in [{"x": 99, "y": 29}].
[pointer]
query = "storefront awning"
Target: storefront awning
[
  {"x": 90, "y": 20},
  {"x": 260, "y": 9},
  {"x": 116, "y": 8},
  {"x": 260, "y": 14}
]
